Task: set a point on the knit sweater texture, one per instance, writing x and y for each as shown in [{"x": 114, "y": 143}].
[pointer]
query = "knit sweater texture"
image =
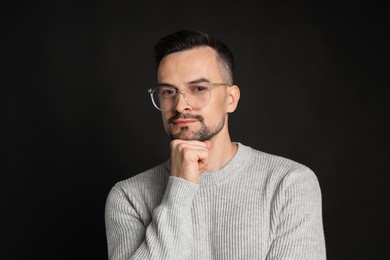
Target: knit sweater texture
[{"x": 258, "y": 206}]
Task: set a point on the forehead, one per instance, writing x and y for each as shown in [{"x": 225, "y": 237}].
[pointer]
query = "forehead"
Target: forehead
[{"x": 189, "y": 65}]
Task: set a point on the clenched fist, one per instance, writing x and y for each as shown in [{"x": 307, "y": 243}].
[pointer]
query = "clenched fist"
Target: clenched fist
[{"x": 189, "y": 159}]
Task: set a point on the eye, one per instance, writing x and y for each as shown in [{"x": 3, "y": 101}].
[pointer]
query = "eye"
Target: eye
[
  {"x": 167, "y": 92},
  {"x": 199, "y": 89}
]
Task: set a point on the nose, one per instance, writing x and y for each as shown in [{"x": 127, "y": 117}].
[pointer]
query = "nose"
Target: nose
[{"x": 182, "y": 104}]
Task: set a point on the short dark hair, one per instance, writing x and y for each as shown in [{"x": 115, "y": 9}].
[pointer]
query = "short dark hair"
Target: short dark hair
[{"x": 185, "y": 40}]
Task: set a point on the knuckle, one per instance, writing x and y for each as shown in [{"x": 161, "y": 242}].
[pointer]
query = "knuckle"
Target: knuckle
[
  {"x": 181, "y": 147},
  {"x": 185, "y": 150},
  {"x": 174, "y": 143}
]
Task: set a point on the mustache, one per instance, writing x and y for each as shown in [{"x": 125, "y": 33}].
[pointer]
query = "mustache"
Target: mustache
[{"x": 185, "y": 116}]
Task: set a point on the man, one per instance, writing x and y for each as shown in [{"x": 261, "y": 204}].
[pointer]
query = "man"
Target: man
[{"x": 214, "y": 198}]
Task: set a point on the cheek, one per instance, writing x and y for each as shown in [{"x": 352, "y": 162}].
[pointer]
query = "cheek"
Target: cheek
[
  {"x": 219, "y": 105},
  {"x": 165, "y": 118},
  {"x": 216, "y": 111}
]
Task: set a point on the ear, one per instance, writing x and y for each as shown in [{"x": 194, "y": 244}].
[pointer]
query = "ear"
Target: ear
[{"x": 233, "y": 97}]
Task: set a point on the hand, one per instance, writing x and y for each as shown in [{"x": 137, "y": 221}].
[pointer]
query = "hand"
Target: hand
[{"x": 189, "y": 159}]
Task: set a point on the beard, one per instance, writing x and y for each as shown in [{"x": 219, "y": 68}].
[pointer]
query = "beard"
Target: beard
[{"x": 204, "y": 133}]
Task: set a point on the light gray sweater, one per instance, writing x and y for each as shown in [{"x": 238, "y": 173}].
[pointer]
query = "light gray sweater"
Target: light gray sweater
[{"x": 258, "y": 206}]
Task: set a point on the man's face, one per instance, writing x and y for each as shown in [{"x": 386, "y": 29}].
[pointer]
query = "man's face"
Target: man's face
[{"x": 182, "y": 121}]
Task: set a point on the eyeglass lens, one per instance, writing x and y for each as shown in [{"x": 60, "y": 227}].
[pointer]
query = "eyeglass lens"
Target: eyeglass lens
[{"x": 197, "y": 95}]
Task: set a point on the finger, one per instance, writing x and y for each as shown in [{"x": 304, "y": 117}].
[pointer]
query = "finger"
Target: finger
[
  {"x": 189, "y": 144},
  {"x": 203, "y": 158},
  {"x": 203, "y": 169}
]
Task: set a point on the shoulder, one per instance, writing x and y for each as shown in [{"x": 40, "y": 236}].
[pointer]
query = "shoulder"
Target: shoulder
[
  {"x": 285, "y": 180},
  {"x": 276, "y": 169},
  {"x": 148, "y": 178},
  {"x": 143, "y": 186}
]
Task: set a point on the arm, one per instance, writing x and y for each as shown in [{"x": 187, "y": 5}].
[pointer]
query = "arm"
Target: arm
[
  {"x": 296, "y": 219},
  {"x": 167, "y": 236}
]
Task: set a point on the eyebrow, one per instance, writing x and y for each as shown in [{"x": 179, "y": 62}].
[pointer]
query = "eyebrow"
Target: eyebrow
[
  {"x": 163, "y": 84},
  {"x": 199, "y": 80}
]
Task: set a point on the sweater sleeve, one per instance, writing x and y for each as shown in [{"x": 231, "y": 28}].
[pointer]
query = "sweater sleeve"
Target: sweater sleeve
[
  {"x": 296, "y": 219},
  {"x": 167, "y": 236}
]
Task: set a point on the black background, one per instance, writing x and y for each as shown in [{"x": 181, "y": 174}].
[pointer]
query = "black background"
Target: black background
[{"x": 76, "y": 115}]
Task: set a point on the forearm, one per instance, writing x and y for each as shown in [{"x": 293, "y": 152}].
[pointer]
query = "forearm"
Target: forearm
[{"x": 167, "y": 236}]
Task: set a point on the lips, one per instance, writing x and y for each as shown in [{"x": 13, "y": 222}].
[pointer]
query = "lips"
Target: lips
[{"x": 184, "y": 121}]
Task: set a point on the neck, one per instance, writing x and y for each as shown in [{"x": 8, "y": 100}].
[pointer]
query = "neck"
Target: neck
[{"x": 221, "y": 152}]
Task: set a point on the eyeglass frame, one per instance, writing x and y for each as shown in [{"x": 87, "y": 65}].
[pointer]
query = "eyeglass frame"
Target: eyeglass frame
[{"x": 211, "y": 85}]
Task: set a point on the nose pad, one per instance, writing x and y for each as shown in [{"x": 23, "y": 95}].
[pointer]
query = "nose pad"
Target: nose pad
[{"x": 182, "y": 103}]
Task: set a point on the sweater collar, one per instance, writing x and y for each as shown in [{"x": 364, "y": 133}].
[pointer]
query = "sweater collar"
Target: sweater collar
[{"x": 233, "y": 168}]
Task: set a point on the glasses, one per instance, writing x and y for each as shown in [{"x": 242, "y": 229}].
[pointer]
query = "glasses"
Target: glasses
[{"x": 197, "y": 95}]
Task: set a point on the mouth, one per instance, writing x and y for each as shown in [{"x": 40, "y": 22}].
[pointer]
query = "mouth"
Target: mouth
[
  {"x": 182, "y": 122},
  {"x": 184, "y": 119}
]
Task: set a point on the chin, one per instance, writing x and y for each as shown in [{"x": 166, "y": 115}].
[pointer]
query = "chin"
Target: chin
[
  {"x": 184, "y": 136},
  {"x": 202, "y": 134},
  {"x": 190, "y": 137}
]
